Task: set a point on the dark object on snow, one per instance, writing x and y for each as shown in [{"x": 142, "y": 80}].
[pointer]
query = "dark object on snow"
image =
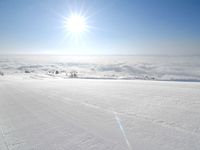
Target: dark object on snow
[
  {"x": 26, "y": 71},
  {"x": 73, "y": 74},
  {"x": 56, "y": 72},
  {"x": 1, "y": 73}
]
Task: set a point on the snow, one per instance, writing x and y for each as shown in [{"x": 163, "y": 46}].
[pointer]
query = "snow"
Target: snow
[
  {"x": 52, "y": 102},
  {"x": 91, "y": 114}
]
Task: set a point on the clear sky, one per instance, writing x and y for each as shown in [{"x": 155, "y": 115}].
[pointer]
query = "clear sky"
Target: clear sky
[{"x": 115, "y": 27}]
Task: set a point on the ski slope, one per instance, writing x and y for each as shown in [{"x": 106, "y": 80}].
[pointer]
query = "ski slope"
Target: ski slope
[{"x": 83, "y": 114}]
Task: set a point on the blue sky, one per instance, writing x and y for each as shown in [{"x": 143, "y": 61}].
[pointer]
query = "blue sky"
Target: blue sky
[{"x": 140, "y": 27}]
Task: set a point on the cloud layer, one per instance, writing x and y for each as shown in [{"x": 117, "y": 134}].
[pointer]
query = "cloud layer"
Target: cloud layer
[{"x": 117, "y": 67}]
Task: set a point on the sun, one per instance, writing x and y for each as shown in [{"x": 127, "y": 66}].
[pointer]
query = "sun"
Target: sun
[{"x": 76, "y": 24}]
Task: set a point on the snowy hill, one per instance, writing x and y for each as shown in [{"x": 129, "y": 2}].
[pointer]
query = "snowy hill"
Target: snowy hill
[{"x": 58, "y": 114}]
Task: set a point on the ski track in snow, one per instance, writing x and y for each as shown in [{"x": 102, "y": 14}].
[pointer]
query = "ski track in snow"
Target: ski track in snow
[{"x": 98, "y": 115}]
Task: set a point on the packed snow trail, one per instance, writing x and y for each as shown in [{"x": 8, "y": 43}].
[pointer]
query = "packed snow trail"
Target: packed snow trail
[
  {"x": 122, "y": 130},
  {"x": 98, "y": 115}
]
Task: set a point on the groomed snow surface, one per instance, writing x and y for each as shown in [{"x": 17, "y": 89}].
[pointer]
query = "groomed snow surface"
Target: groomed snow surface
[{"x": 84, "y": 114}]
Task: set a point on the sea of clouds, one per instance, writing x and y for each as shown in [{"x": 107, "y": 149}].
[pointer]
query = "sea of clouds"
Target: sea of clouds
[{"x": 176, "y": 68}]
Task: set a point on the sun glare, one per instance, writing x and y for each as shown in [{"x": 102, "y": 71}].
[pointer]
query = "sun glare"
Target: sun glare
[{"x": 76, "y": 24}]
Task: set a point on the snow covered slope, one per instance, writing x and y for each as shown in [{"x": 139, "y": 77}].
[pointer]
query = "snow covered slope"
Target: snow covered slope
[{"x": 77, "y": 114}]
